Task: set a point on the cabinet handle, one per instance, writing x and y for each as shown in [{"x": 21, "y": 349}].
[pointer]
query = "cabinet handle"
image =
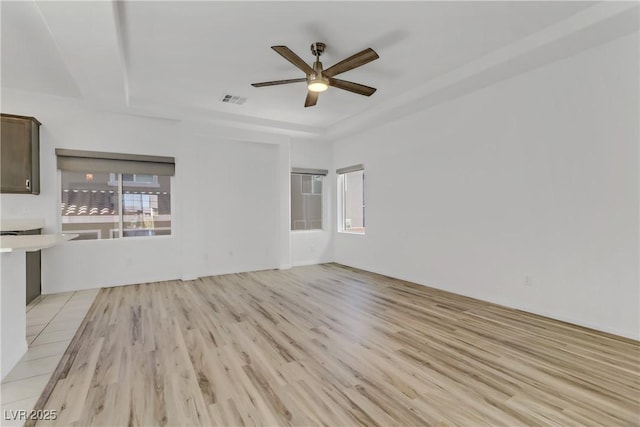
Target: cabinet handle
[{"x": 28, "y": 184}]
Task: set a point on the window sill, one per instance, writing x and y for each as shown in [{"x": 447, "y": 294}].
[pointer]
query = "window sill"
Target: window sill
[
  {"x": 359, "y": 233},
  {"x": 318, "y": 230}
]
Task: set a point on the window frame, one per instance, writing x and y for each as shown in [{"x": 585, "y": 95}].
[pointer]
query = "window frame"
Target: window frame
[
  {"x": 312, "y": 173},
  {"x": 341, "y": 202}
]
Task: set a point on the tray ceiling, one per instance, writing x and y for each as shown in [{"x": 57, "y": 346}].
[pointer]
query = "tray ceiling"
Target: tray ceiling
[{"x": 177, "y": 59}]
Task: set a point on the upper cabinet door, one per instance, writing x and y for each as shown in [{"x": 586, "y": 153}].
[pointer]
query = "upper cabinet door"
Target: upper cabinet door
[{"x": 20, "y": 155}]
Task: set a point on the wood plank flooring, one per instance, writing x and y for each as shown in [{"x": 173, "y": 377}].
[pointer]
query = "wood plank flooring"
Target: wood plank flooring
[{"x": 333, "y": 346}]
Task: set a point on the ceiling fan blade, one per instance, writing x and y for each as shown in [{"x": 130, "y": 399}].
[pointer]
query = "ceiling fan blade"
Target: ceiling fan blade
[
  {"x": 312, "y": 98},
  {"x": 354, "y": 61},
  {"x": 279, "y": 82},
  {"x": 288, "y": 54},
  {"x": 352, "y": 87}
]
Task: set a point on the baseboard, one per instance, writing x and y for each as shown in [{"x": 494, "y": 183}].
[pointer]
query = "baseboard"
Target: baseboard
[{"x": 310, "y": 262}]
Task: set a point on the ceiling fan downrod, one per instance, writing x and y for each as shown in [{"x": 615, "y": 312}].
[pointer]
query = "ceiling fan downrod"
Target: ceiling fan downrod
[{"x": 317, "y": 49}]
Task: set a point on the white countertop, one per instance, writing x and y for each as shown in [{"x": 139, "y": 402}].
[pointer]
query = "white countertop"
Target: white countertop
[
  {"x": 33, "y": 242},
  {"x": 21, "y": 224}
]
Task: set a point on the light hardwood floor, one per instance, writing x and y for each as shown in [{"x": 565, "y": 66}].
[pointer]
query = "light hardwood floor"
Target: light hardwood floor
[{"x": 330, "y": 345}]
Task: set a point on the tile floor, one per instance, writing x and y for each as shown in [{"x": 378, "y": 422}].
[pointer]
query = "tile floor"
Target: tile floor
[{"x": 52, "y": 320}]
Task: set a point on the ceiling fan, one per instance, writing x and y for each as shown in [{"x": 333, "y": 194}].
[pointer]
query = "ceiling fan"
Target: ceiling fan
[{"x": 319, "y": 80}]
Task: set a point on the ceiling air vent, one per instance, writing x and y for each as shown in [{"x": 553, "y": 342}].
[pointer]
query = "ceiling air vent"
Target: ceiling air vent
[{"x": 232, "y": 99}]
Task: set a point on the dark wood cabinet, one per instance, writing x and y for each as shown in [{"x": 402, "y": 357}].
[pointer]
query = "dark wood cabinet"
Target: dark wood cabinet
[{"x": 20, "y": 154}]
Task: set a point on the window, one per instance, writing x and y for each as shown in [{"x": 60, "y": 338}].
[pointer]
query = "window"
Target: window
[
  {"x": 351, "y": 218},
  {"x": 101, "y": 199},
  {"x": 306, "y": 198}
]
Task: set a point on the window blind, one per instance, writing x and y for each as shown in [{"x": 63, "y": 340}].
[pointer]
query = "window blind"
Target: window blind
[
  {"x": 306, "y": 171},
  {"x": 96, "y": 161},
  {"x": 348, "y": 169}
]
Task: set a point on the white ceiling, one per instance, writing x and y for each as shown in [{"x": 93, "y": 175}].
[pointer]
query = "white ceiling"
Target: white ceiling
[{"x": 176, "y": 59}]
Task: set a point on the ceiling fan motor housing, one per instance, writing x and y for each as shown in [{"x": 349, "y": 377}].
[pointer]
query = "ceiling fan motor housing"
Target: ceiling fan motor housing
[
  {"x": 317, "y": 67},
  {"x": 317, "y": 78}
]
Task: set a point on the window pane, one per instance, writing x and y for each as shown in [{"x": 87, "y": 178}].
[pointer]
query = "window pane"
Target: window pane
[
  {"x": 316, "y": 184},
  {"x": 149, "y": 179},
  {"x": 306, "y": 184},
  {"x": 130, "y": 178},
  {"x": 146, "y": 205},
  {"x": 353, "y": 188},
  {"x": 89, "y": 205},
  {"x": 306, "y": 202}
]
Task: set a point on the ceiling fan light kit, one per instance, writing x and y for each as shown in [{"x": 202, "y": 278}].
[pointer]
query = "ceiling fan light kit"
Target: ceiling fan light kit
[
  {"x": 319, "y": 80},
  {"x": 318, "y": 84}
]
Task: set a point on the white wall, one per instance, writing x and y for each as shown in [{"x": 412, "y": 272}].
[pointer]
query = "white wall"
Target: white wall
[
  {"x": 225, "y": 197},
  {"x": 13, "y": 325},
  {"x": 534, "y": 177},
  {"x": 236, "y": 206},
  {"x": 315, "y": 246}
]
